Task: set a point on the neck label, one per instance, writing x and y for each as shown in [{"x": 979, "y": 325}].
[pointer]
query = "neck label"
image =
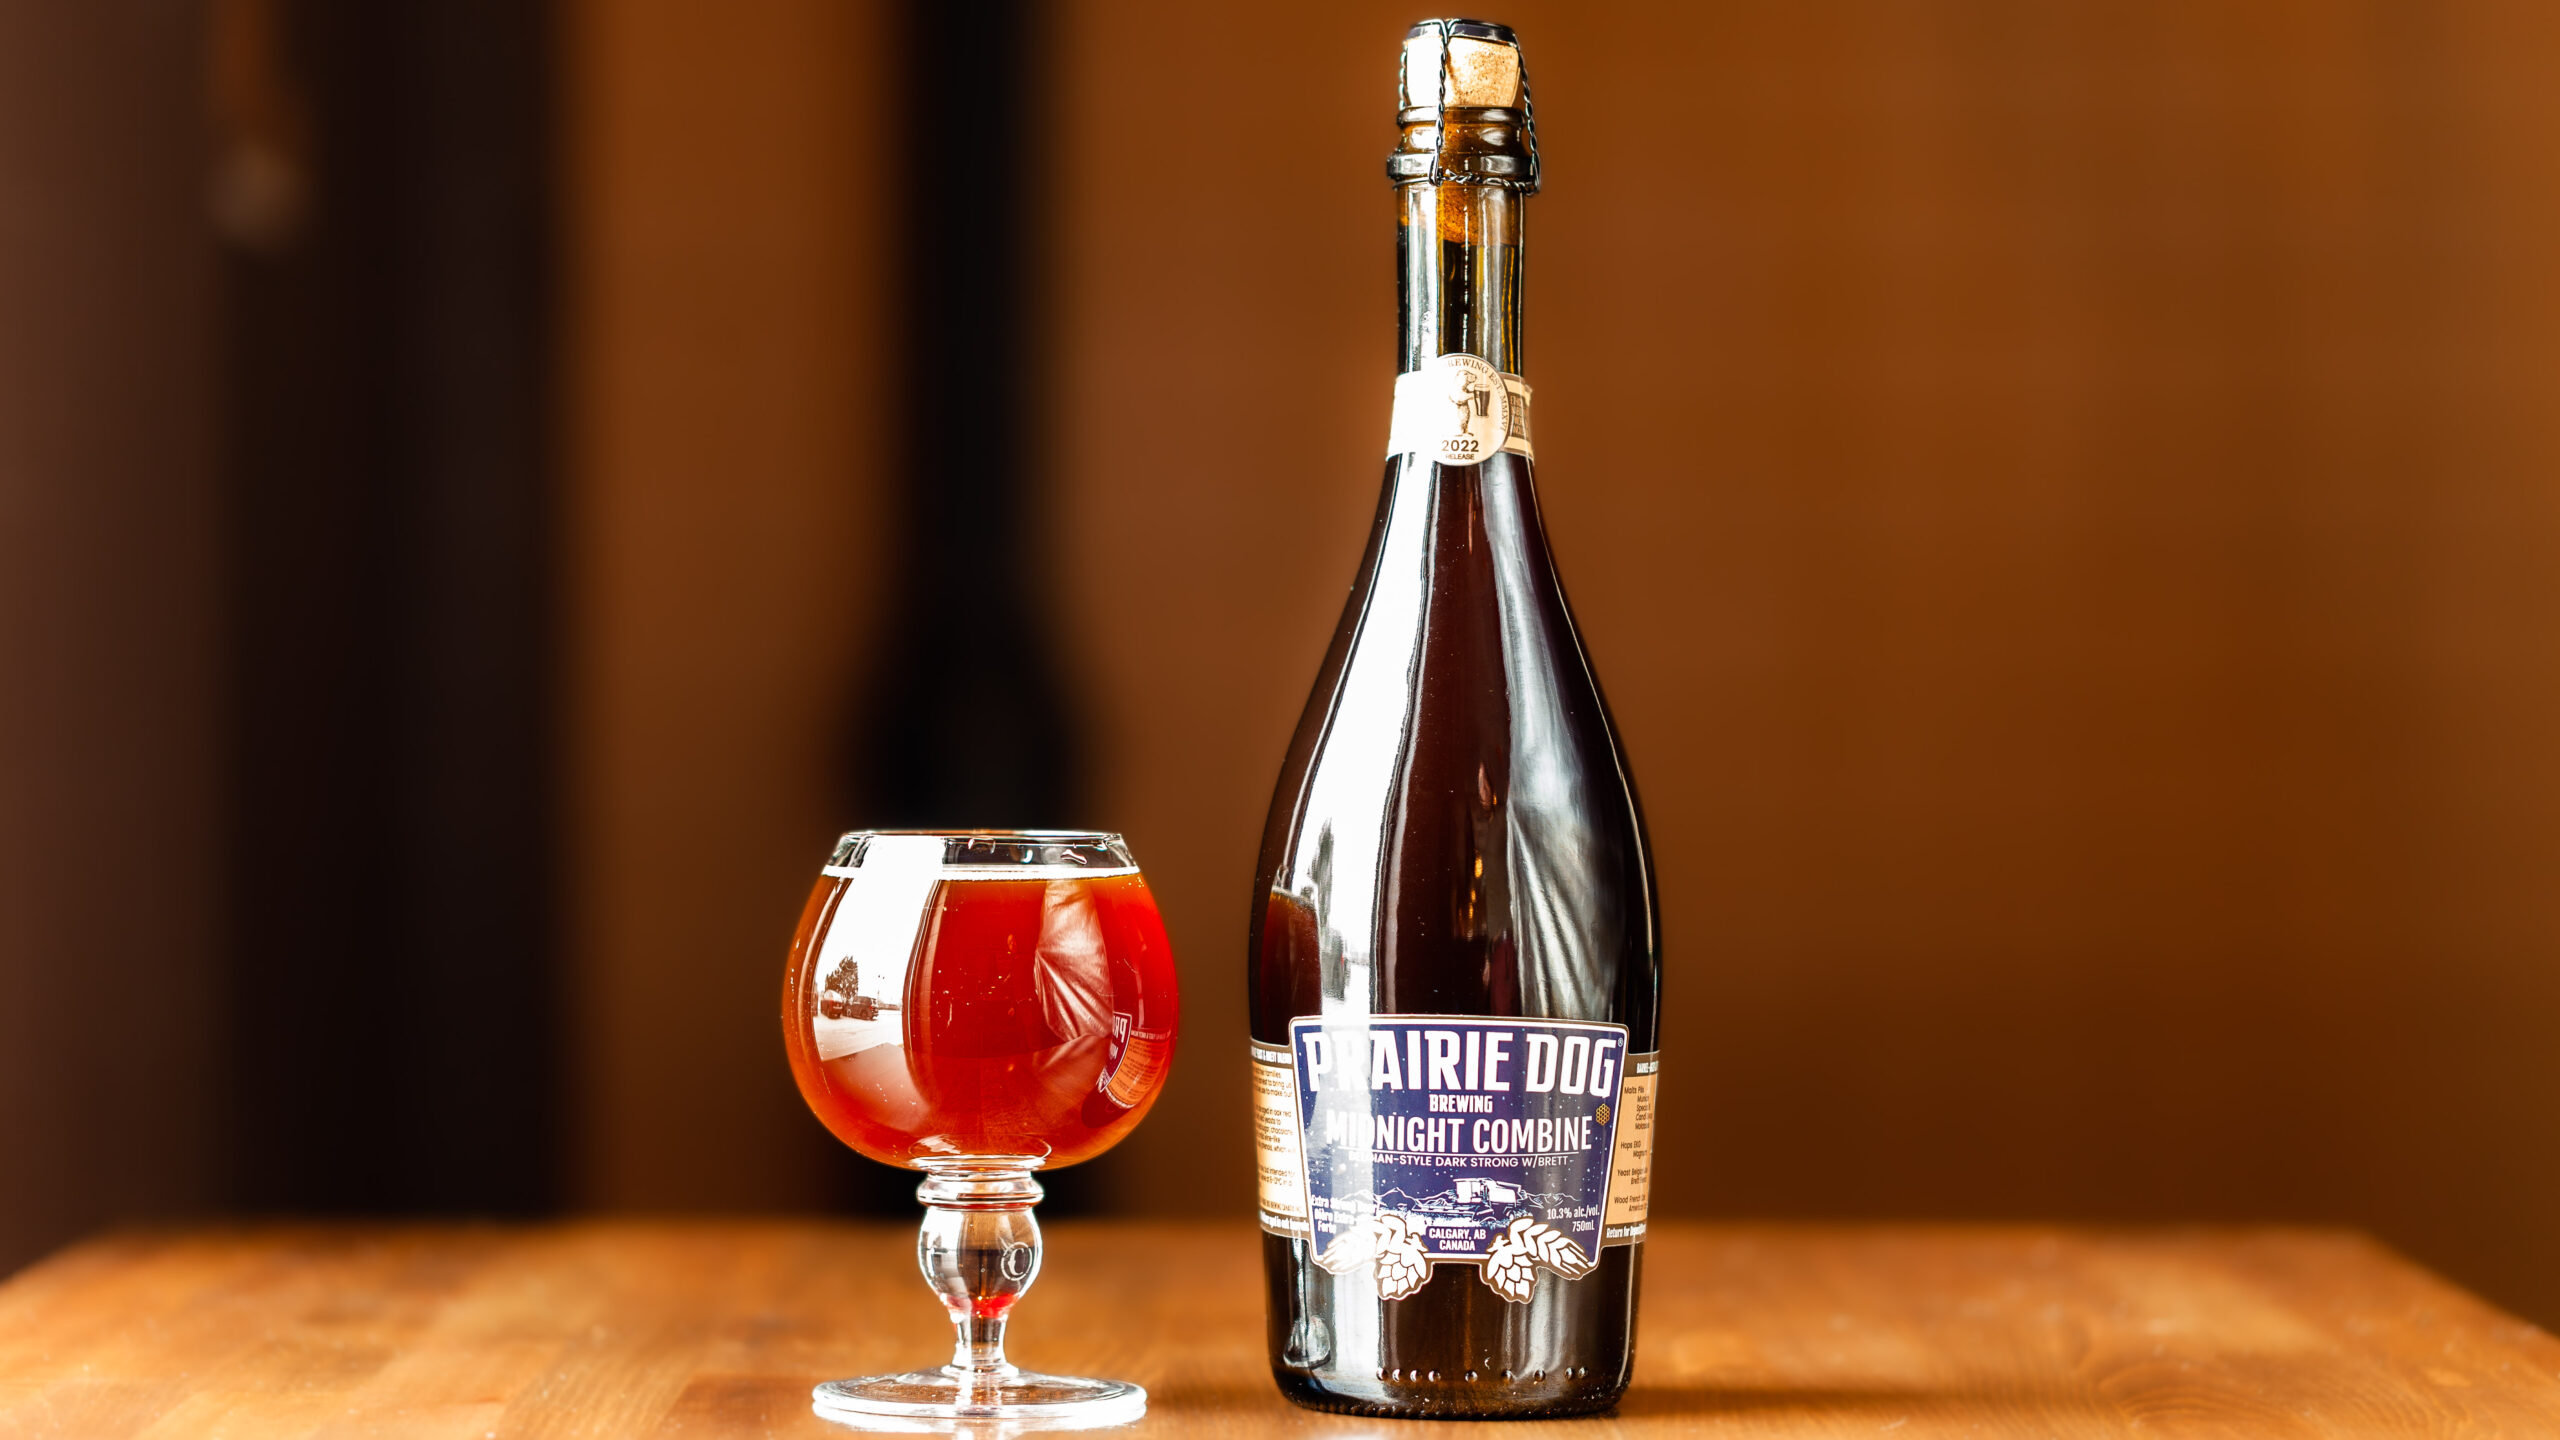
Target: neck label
[{"x": 1458, "y": 410}]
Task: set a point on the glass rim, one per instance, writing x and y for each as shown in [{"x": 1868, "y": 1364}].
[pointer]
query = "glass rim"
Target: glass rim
[
  {"x": 1045, "y": 837},
  {"x": 1088, "y": 851}
]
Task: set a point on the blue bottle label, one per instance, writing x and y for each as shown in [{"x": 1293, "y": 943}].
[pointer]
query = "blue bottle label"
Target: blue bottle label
[{"x": 1422, "y": 1140}]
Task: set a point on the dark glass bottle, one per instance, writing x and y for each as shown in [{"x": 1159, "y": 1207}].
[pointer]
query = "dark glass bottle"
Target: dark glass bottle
[{"x": 1454, "y": 842}]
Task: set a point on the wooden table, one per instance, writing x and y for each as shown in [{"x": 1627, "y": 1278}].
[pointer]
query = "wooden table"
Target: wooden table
[{"x": 718, "y": 1329}]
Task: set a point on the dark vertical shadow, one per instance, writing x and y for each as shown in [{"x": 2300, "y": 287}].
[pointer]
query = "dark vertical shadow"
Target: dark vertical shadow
[
  {"x": 388, "y": 478},
  {"x": 969, "y": 721}
]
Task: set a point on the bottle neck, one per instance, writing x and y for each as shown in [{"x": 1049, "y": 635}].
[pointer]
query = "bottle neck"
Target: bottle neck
[{"x": 1458, "y": 251}]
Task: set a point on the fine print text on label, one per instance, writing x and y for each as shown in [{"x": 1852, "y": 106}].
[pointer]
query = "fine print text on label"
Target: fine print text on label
[
  {"x": 1280, "y": 1169},
  {"x": 1400, "y": 1142}
]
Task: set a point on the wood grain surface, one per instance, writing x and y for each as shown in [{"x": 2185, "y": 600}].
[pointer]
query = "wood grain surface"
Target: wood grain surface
[{"x": 718, "y": 1329}]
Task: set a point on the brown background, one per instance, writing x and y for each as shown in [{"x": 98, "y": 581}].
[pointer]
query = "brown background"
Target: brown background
[
  {"x": 724, "y": 355},
  {"x": 2062, "y": 498},
  {"x": 110, "y": 600}
]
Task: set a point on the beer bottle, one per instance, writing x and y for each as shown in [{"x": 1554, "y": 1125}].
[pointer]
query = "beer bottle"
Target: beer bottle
[{"x": 1454, "y": 957}]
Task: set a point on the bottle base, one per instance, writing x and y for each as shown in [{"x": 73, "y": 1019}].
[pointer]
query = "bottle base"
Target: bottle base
[{"x": 1419, "y": 1404}]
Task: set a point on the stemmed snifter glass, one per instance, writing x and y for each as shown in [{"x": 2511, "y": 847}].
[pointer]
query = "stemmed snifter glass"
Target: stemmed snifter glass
[{"x": 980, "y": 1005}]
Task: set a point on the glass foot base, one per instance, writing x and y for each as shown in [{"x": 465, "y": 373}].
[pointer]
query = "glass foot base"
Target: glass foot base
[{"x": 913, "y": 1400}]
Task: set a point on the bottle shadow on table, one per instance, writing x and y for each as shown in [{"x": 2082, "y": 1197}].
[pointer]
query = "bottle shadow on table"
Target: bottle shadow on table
[{"x": 1882, "y": 1402}]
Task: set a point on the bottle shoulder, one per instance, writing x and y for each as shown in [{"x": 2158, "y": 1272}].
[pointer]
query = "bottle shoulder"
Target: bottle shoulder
[{"x": 1457, "y": 804}]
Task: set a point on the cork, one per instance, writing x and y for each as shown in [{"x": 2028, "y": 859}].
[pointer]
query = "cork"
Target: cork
[{"x": 1481, "y": 68}]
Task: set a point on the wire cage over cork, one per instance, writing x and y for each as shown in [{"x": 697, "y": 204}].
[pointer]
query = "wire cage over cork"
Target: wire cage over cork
[{"x": 1478, "y": 106}]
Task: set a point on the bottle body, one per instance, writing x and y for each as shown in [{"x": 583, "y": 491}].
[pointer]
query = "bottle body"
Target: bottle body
[{"x": 1455, "y": 835}]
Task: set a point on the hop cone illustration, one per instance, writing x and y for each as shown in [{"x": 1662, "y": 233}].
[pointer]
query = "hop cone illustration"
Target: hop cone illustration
[
  {"x": 1391, "y": 1242},
  {"x": 1402, "y": 1267},
  {"x": 1350, "y": 1249},
  {"x": 1511, "y": 1266}
]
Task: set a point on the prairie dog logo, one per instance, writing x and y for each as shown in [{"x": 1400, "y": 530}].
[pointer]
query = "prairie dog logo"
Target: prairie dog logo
[{"x": 1473, "y": 397}]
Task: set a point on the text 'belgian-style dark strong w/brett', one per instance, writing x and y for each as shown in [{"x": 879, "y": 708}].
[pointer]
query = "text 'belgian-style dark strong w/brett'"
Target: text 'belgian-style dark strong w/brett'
[{"x": 1455, "y": 952}]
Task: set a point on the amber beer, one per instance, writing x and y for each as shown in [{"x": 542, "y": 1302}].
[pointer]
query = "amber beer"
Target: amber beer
[
  {"x": 1030, "y": 1012},
  {"x": 1455, "y": 962}
]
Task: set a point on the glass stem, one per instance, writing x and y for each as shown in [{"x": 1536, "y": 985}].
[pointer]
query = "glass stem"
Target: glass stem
[{"x": 979, "y": 1249}]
